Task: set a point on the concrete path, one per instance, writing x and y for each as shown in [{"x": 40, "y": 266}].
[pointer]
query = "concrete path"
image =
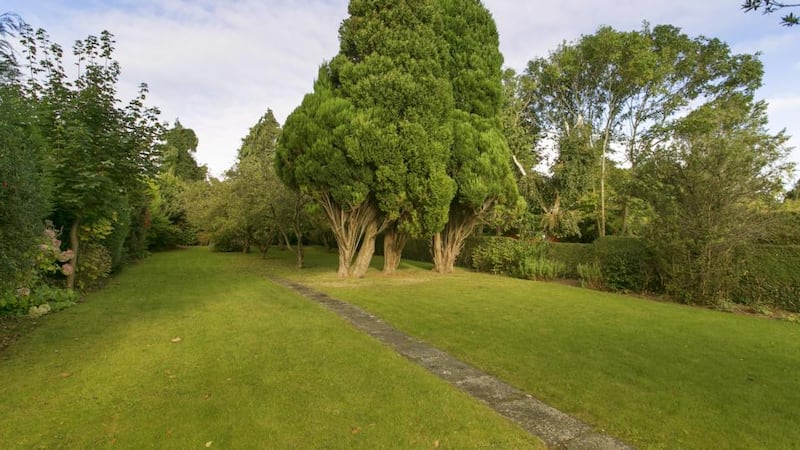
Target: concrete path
[{"x": 557, "y": 429}]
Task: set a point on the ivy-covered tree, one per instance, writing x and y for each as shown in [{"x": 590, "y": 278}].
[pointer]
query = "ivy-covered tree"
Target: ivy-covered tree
[{"x": 479, "y": 158}]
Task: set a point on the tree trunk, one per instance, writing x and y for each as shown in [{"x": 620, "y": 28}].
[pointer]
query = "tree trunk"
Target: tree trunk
[
  {"x": 74, "y": 242},
  {"x": 350, "y": 228},
  {"x": 365, "y": 252},
  {"x": 297, "y": 225},
  {"x": 393, "y": 243},
  {"x": 448, "y": 243},
  {"x": 300, "y": 252}
]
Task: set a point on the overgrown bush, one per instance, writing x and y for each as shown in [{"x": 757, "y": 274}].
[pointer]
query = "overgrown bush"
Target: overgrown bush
[{"x": 94, "y": 266}]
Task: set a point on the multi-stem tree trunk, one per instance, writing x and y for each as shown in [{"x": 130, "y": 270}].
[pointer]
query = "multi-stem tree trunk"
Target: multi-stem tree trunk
[
  {"x": 355, "y": 230},
  {"x": 448, "y": 243},
  {"x": 365, "y": 252},
  {"x": 74, "y": 242},
  {"x": 394, "y": 241}
]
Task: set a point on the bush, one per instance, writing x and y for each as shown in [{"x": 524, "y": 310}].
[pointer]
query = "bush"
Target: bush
[
  {"x": 625, "y": 264},
  {"x": 94, "y": 266},
  {"x": 769, "y": 276},
  {"x": 590, "y": 275},
  {"x": 571, "y": 255},
  {"x": 538, "y": 268},
  {"x": 517, "y": 258}
]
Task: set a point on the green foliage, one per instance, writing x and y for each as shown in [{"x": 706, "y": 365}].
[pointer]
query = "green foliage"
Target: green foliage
[
  {"x": 710, "y": 188},
  {"x": 24, "y": 189},
  {"x": 177, "y": 154},
  {"x": 517, "y": 258},
  {"x": 625, "y": 264},
  {"x": 769, "y": 277},
  {"x": 770, "y": 6},
  {"x": 539, "y": 268},
  {"x": 783, "y": 227},
  {"x": 590, "y": 275},
  {"x": 571, "y": 255}
]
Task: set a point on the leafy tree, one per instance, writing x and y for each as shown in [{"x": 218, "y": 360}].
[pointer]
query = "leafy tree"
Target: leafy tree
[
  {"x": 177, "y": 168},
  {"x": 10, "y": 25},
  {"x": 177, "y": 154},
  {"x": 370, "y": 144},
  {"x": 99, "y": 151},
  {"x": 390, "y": 65},
  {"x": 313, "y": 158},
  {"x": 627, "y": 87},
  {"x": 479, "y": 160},
  {"x": 709, "y": 187},
  {"x": 770, "y": 6}
]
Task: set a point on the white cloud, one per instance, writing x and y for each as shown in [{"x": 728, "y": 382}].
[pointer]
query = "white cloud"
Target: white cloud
[{"x": 219, "y": 65}]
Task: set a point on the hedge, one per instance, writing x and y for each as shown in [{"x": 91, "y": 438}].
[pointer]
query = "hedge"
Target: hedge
[{"x": 770, "y": 276}]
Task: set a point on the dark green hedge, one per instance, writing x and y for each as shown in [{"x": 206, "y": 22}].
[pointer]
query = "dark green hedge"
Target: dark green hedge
[
  {"x": 571, "y": 254},
  {"x": 625, "y": 263},
  {"x": 770, "y": 276}
]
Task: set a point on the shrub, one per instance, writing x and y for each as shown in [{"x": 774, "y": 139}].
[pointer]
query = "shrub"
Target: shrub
[
  {"x": 571, "y": 255},
  {"x": 590, "y": 275},
  {"x": 502, "y": 255},
  {"x": 625, "y": 264},
  {"x": 517, "y": 258},
  {"x": 769, "y": 277},
  {"x": 538, "y": 268},
  {"x": 94, "y": 266}
]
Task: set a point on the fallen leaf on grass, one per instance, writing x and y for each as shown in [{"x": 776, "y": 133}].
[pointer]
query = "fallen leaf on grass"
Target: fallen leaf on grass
[
  {"x": 355, "y": 430},
  {"x": 209, "y": 444},
  {"x": 436, "y": 444},
  {"x": 176, "y": 339},
  {"x": 206, "y": 396}
]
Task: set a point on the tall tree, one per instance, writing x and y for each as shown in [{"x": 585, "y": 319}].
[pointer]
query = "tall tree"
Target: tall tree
[
  {"x": 10, "y": 25},
  {"x": 627, "y": 87},
  {"x": 709, "y": 186},
  {"x": 377, "y": 117},
  {"x": 177, "y": 154},
  {"x": 390, "y": 65},
  {"x": 480, "y": 158},
  {"x": 313, "y": 157},
  {"x": 100, "y": 151}
]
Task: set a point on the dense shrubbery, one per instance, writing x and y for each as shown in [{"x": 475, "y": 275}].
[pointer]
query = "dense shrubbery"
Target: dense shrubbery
[
  {"x": 625, "y": 264},
  {"x": 766, "y": 275},
  {"x": 769, "y": 277},
  {"x": 517, "y": 258}
]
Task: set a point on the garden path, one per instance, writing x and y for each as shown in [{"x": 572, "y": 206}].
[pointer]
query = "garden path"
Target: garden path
[{"x": 555, "y": 428}]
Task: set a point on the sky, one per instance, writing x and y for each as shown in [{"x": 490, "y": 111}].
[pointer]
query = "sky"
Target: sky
[{"x": 218, "y": 65}]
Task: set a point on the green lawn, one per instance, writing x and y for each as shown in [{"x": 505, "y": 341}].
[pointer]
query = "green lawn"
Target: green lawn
[
  {"x": 257, "y": 366},
  {"x": 657, "y": 375}
]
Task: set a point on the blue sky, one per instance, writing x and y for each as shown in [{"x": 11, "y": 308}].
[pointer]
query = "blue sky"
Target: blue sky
[{"x": 218, "y": 65}]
